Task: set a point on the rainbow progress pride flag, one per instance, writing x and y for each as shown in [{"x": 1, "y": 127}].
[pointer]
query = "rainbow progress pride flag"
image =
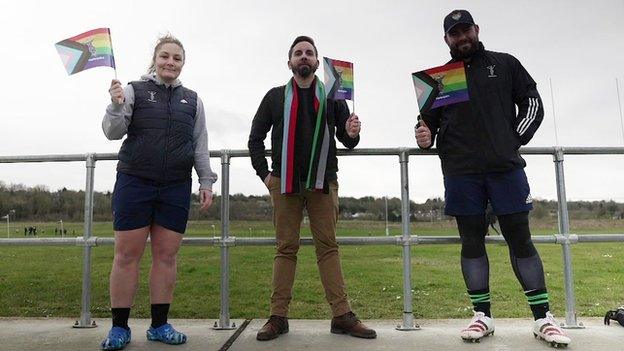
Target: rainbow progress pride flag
[
  {"x": 87, "y": 50},
  {"x": 338, "y": 79},
  {"x": 441, "y": 86}
]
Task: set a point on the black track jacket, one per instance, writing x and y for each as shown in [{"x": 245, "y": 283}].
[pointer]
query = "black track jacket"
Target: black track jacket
[{"x": 484, "y": 134}]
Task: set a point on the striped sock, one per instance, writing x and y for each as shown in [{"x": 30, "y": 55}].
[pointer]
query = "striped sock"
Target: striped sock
[
  {"x": 481, "y": 300},
  {"x": 538, "y": 301}
]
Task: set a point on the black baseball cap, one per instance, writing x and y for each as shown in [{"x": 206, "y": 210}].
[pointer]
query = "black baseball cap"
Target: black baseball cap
[{"x": 457, "y": 17}]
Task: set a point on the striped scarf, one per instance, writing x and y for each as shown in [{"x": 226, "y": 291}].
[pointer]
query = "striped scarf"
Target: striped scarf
[{"x": 315, "y": 178}]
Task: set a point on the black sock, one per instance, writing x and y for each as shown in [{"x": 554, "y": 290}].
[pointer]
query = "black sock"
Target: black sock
[
  {"x": 159, "y": 314},
  {"x": 481, "y": 301},
  {"x": 538, "y": 301},
  {"x": 120, "y": 317}
]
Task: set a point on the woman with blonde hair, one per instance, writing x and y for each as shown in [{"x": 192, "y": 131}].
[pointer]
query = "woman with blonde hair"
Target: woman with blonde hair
[{"x": 166, "y": 137}]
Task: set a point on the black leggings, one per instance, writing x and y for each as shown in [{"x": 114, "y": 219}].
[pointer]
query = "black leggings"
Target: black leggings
[{"x": 524, "y": 258}]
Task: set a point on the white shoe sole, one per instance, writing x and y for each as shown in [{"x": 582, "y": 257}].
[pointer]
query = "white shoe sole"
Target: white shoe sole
[
  {"x": 469, "y": 339},
  {"x": 554, "y": 344}
]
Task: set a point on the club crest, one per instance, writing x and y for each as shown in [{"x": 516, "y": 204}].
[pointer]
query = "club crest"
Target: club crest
[{"x": 152, "y": 95}]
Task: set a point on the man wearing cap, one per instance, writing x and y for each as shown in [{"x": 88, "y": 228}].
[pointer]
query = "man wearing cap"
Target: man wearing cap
[
  {"x": 478, "y": 142},
  {"x": 304, "y": 165}
]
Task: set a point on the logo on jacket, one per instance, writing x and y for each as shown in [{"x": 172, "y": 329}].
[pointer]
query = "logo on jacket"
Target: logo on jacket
[
  {"x": 152, "y": 95},
  {"x": 183, "y": 101},
  {"x": 491, "y": 69},
  {"x": 529, "y": 199}
]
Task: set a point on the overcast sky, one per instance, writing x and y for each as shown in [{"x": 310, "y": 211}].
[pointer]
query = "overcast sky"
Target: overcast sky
[{"x": 237, "y": 51}]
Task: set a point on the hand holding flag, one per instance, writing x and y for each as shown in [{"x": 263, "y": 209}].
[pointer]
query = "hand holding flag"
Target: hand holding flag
[
  {"x": 353, "y": 126},
  {"x": 423, "y": 134},
  {"x": 116, "y": 92}
]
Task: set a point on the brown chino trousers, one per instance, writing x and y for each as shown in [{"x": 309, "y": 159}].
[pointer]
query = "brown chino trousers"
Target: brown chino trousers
[{"x": 287, "y": 216}]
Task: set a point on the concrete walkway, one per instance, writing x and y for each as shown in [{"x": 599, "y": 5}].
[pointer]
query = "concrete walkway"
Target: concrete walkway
[{"x": 26, "y": 334}]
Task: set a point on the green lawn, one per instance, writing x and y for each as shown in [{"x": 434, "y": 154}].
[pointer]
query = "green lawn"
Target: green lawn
[{"x": 46, "y": 281}]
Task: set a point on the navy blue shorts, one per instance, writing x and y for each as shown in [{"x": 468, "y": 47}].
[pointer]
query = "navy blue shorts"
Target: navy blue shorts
[
  {"x": 139, "y": 202},
  {"x": 468, "y": 195}
]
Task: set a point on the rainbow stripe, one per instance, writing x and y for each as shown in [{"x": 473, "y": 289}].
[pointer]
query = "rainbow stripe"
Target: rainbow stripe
[
  {"x": 452, "y": 78},
  {"x": 446, "y": 83},
  {"x": 87, "y": 50},
  {"x": 339, "y": 77}
]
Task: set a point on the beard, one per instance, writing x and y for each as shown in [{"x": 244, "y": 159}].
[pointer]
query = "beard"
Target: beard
[
  {"x": 467, "y": 52},
  {"x": 304, "y": 70}
]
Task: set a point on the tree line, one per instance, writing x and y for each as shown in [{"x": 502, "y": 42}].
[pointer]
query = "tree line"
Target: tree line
[{"x": 40, "y": 204}]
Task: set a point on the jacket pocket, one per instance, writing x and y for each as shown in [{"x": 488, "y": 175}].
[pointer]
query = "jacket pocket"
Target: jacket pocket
[
  {"x": 274, "y": 183},
  {"x": 137, "y": 151}
]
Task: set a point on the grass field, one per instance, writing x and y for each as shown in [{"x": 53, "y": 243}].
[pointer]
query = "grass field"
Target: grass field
[{"x": 46, "y": 281}]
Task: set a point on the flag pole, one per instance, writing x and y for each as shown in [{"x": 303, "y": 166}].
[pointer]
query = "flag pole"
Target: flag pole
[
  {"x": 112, "y": 53},
  {"x": 353, "y": 80}
]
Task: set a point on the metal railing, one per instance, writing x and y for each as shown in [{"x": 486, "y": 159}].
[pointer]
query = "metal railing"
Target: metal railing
[{"x": 406, "y": 240}]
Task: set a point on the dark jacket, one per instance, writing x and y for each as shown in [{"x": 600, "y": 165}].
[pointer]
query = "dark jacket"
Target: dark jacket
[
  {"x": 484, "y": 134},
  {"x": 270, "y": 115},
  {"x": 159, "y": 145}
]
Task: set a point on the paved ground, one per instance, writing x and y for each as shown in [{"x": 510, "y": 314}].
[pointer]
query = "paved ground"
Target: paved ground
[{"x": 26, "y": 334}]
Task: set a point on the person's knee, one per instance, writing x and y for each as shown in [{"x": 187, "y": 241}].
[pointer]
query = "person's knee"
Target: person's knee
[
  {"x": 166, "y": 260},
  {"x": 325, "y": 243},
  {"x": 472, "y": 233},
  {"x": 288, "y": 247},
  {"x": 127, "y": 257},
  {"x": 165, "y": 256},
  {"x": 522, "y": 247},
  {"x": 515, "y": 228},
  {"x": 325, "y": 240},
  {"x": 472, "y": 247},
  {"x": 323, "y": 251}
]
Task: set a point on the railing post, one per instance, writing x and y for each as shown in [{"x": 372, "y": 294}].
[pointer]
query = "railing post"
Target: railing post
[
  {"x": 224, "y": 316},
  {"x": 564, "y": 229},
  {"x": 85, "y": 312},
  {"x": 408, "y": 315}
]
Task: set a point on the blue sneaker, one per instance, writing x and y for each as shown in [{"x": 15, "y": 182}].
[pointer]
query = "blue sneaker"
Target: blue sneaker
[
  {"x": 117, "y": 339},
  {"x": 165, "y": 333}
]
